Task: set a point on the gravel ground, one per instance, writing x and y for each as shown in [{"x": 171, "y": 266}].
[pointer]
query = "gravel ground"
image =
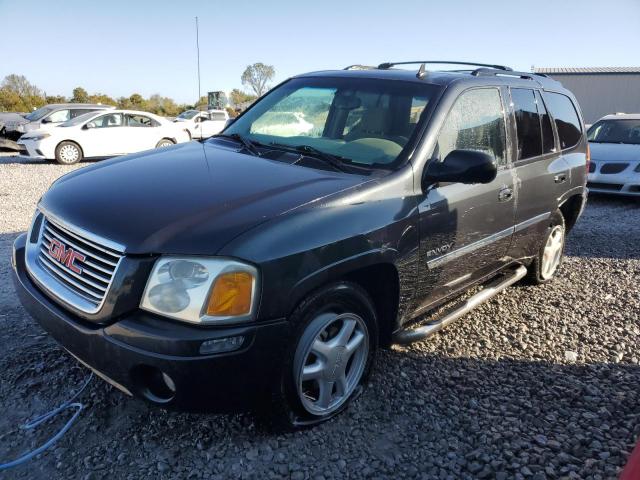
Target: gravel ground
[{"x": 542, "y": 382}]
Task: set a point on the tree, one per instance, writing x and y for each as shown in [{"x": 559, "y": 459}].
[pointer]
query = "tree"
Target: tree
[
  {"x": 102, "y": 99},
  {"x": 202, "y": 102},
  {"x": 80, "y": 95},
  {"x": 55, "y": 99},
  {"x": 256, "y": 77},
  {"x": 18, "y": 95},
  {"x": 136, "y": 100},
  {"x": 238, "y": 97}
]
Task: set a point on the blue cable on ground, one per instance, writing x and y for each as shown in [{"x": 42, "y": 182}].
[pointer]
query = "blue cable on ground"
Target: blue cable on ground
[{"x": 69, "y": 404}]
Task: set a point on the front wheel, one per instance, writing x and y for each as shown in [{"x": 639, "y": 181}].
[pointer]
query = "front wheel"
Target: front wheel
[
  {"x": 549, "y": 257},
  {"x": 165, "y": 142},
  {"x": 333, "y": 347},
  {"x": 68, "y": 153}
]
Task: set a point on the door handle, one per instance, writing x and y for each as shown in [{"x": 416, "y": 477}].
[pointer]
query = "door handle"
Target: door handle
[
  {"x": 505, "y": 194},
  {"x": 560, "y": 178}
]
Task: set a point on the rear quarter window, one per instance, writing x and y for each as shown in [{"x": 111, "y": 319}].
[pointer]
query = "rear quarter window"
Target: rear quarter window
[{"x": 565, "y": 117}]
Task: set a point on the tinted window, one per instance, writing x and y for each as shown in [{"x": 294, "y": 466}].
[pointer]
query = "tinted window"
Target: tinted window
[
  {"x": 476, "y": 122},
  {"x": 76, "y": 112},
  {"x": 548, "y": 142},
  {"x": 566, "y": 118},
  {"x": 615, "y": 131},
  {"x": 527, "y": 123}
]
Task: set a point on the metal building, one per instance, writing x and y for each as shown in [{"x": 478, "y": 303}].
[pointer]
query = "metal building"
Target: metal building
[{"x": 600, "y": 91}]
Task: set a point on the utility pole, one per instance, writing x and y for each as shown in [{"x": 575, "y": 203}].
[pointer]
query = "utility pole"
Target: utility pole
[{"x": 198, "y": 51}]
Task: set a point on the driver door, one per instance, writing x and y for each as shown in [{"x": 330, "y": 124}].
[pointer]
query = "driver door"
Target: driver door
[{"x": 466, "y": 230}]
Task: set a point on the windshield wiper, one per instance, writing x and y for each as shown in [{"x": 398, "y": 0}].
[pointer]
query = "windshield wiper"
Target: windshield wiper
[
  {"x": 246, "y": 143},
  {"x": 333, "y": 160}
]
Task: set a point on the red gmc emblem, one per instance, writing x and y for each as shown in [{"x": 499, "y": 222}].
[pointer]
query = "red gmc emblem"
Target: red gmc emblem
[{"x": 66, "y": 256}]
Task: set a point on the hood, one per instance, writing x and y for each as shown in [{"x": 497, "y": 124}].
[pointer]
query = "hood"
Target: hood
[
  {"x": 614, "y": 152},
  {"x": 11, "y": 120},
  {"x": 191, "y": 198}
]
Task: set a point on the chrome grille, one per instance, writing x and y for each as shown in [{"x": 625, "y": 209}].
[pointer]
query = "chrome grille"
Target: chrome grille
[{"x": 95, "y": 272}]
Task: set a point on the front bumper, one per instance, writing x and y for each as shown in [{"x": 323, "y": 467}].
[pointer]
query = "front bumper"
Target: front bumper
[
  {"x": 134, "y": 351},
  {"x": 32, "y": 149},
  {"x": 623, "y": 183}
]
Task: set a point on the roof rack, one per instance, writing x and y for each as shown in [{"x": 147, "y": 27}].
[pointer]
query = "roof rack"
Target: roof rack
[
  {"x": 359, "y": 67},
  {"x": 510, "y": 73},
  {"x": 387, "y": 65}
]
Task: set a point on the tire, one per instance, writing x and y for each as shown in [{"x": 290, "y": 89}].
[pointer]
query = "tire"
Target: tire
[
  {"x": 543, "y": 268},
  {"x": 68, "y": 153},
  {"x": 340, "y": 317},
  {"x": 165, "y": 142}
]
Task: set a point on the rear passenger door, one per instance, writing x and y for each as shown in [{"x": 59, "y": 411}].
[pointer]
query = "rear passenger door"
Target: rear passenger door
[
  {"x": 540, "y": 171},
  {"x": 465, "y": 230},
  {"x": 140, "y": 133}
]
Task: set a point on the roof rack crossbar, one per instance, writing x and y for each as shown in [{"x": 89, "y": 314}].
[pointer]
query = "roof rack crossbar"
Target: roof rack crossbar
[
  {"x": 510, "y": 73},
  {"x": 387, "y": 65}
]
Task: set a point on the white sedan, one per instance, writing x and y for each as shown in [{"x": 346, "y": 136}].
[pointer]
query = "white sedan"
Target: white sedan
[{"x": 103, "y": 134}]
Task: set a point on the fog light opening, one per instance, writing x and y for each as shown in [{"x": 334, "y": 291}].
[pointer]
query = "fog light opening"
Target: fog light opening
[
  {"x": 220, "y": 345},
  {"x": 154, "y": 384}
]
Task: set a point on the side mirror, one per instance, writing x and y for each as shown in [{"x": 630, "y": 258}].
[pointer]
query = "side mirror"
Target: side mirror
[
  {"x": 46, "y": 120},
  {"x": 462, "y": 166},
  {"x": 90, "y": 125}
]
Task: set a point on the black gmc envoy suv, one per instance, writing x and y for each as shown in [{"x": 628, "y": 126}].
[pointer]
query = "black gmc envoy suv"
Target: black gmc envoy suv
[{"x": 263, "y": 267}]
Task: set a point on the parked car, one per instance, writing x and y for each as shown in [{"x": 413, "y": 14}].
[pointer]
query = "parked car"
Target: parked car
[
  {"x": 615, "y": 155},
  {"x": 47, "y": 117},
  {"x": 201, "y": 125},
  {"x": 264, "y": 270},
  {"x": 102, "y": 134}
]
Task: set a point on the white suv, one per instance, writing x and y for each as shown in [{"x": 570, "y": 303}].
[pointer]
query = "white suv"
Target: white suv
[{"x": 201, "y": 125}]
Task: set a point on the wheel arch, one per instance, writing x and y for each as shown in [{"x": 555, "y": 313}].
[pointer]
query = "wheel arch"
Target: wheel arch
[
  {"x": 375, "y": 272},
  {"x": 571, "y": 208}
]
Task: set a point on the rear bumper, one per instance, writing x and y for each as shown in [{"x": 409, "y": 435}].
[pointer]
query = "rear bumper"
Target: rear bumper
[{"x": 133, "y": 352}]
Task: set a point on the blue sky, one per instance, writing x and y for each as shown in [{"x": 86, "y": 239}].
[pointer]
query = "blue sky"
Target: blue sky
[{"x": 121, "y": 47}]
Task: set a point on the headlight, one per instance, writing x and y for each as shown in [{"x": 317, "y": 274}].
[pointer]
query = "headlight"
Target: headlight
[
  {"x": 38, "y": 137},
  {"x": 202, "y": 290}
]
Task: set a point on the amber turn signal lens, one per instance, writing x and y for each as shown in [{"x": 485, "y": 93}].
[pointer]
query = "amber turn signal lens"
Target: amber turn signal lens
[{"x": 231, "y": 295}]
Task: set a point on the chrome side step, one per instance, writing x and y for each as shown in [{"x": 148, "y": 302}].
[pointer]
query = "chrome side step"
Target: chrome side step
[{"x": 490, "y": 290}]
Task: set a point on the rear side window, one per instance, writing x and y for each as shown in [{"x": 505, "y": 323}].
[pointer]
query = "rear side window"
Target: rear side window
[
  {"x": 475, "y": 122},
  {"x": 564, "y": 114},
  {"x": 217, "y": 116},
  {"x": 527, "y": 123},
  {"x": 548, "y": 142},
  {"x": 76, "y": 112}
]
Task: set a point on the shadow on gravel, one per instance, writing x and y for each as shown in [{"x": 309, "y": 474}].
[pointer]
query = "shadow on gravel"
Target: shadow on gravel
[
  {"x": 421, "y": 414},
  {"x": 612, "y": 231}
]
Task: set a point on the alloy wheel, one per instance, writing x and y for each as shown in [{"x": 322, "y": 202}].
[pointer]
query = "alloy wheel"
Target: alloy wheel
[{"x": 329, "y": 367}]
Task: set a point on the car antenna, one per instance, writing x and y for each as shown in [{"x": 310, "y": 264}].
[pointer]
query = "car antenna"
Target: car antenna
[{"x": 422, "y": 71}]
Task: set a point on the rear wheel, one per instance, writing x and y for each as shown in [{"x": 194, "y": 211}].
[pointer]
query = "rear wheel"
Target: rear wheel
[
  {"x": 549, "y": 257},
  {"x": 165, "y": 142},
  {"x": 68, "y": 153},
  {"x": 332, "y": 352}
]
